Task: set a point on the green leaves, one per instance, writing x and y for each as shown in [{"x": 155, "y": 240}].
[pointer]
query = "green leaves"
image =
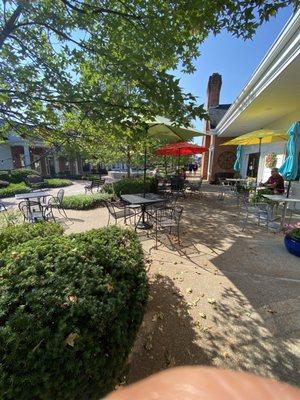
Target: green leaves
[
  {"x": 70, "y": 309},
  {"x": 109, "y": 62}
]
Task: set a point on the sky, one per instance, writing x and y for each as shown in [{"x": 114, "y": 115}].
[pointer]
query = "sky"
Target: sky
[{"x": 235, "y": 59}]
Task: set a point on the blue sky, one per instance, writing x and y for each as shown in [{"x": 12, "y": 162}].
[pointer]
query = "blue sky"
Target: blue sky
[{"x": 235, "y": 59}]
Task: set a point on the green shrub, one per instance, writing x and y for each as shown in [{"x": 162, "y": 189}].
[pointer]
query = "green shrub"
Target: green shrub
[
  {"x": 16, "y": 234},
  {"x": 20, "y": 175},
  {"x": 56, "y": 183},
  {"x": 70, "y": 310},
  {"x": 135, "y": 185},
  {"x": 4, "y": 176},
  {"x": 14, "y": 188},
  {"x": 85, "y": 201}
]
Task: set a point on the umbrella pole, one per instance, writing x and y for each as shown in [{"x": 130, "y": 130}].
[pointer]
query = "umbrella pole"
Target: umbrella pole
[
  {"x": 145, "y": 168},
  {"x": 259, "y": 152},
  {"x": 288, "y": 189}
]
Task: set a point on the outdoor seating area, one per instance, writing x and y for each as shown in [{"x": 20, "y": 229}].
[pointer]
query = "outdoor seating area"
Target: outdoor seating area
[{"x": 149, "y": 207}]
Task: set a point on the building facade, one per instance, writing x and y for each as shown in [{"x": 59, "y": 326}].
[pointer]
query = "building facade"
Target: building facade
[
  {"x": 270, "y": 100},
  {"x": 17, "y": 153}
]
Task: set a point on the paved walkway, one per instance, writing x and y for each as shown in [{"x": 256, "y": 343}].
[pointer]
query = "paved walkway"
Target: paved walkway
[{"x": 221, "y": 297}]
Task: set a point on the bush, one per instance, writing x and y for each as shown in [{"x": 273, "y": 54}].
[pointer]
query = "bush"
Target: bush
[
  {"x": 85, "y": 201},
  {"x": 4, "y": 176},
  {"x": 56, "y": 183},
  {"x": 14, "y": 188},
  {"x": 135, "y": 185},
  {"x": 70, "y": 310},
  {"x": 20, "y": 175},
  {"x": 16, "y": 234}
]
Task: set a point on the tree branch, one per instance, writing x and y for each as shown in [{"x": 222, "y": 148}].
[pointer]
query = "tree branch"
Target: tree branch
[{"x": 10, "y": 24}]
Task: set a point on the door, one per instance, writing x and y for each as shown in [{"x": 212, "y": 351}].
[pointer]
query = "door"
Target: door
[{"x": 253, "y": 164}]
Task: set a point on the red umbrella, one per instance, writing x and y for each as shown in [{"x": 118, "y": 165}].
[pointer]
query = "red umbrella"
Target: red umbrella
[{"x": 180, "y": 149}]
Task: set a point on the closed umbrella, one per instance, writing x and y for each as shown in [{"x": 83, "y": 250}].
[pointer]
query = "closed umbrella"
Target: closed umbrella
[
  {"x": 259, "y": 137},
  {"x": 237, "y": 164},
  {"x": 290, "y": 168}
]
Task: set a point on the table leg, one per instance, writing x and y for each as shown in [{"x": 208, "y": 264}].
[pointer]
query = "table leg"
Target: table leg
[
  {"x": 142, "y": 224},
  {"x": 283, "y": 215}
]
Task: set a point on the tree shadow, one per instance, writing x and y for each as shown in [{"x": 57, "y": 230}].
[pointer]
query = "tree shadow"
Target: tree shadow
[
  {"x": 168, "y": 336},
  {"x": 241, "y": 340}
]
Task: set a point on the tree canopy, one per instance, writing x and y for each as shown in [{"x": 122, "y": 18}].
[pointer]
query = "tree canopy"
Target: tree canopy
[{"x": 110, "y": 61}]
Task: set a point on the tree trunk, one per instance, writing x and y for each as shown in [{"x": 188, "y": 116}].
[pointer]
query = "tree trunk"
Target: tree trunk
[{"x": 128, "y": 163}]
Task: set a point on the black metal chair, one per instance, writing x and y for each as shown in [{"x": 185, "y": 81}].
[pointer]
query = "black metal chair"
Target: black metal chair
[
  {"x": 167, "y": 218},
  {"x": 30, "y": 212},
  {"x": 2, "y": 207},
  {"x": 97, "y": 184},
  {"x": 118, "y": 211},
  {"x": 195, "y": 187},
  {"x": 51, "y": 202}
]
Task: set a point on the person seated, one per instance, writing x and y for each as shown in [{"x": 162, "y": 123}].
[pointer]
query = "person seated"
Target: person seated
[{"x": 275, "y": 182}]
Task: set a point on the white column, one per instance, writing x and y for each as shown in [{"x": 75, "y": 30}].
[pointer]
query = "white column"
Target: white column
[
  {"x": 56, "y": 164},
  {"x": 26, "y": 156}
]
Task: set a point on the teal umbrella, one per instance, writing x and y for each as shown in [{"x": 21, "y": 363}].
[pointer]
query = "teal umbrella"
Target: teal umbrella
[
  {"x": 238, "y": 161},
  {"x": 290, "y": 167}
]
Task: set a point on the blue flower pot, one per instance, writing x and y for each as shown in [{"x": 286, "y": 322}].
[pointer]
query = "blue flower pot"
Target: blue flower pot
[{"x": 292, "y": 245}]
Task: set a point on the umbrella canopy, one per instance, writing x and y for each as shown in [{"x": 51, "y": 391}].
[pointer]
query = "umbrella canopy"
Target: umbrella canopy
[
  {"x": 261, "y": 136},
  {"x": 237, "y": 164},
  {"x": 164, "y": 128},
  {"x": 290, "y": 168},
  {"x": 180, "y": 149}
]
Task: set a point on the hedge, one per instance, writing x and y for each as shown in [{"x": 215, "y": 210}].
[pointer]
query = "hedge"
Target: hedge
[
  {"x": 85, "y": 201},
  {"x": 17, "y": 175},
  {"x": 14, "y": 188},
  {"x": 56, "y": 183},
  {"x": 17, "y": 234},
  {"x": 70, "y": 308},
  {"x": 135, "y": 185}
]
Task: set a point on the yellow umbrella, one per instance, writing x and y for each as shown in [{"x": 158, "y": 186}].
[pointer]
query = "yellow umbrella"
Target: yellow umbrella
[{"x": 261, "y": 136}]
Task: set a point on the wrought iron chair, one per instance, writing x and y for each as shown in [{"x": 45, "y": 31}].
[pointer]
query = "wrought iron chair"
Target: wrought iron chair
[
  {"x": 51, "y": 202},
  {"x": 29, "y": 212},
  {"x": 2, "y": 207},
  {"x": 166, "y": 218},
  {"x": 195, "y": 187},
  {"x": 118, "y": 211},
  {"x": 226, "y": 188},
  {"x": 261, "y": 211},
  {"x": 95, "y": 184}
]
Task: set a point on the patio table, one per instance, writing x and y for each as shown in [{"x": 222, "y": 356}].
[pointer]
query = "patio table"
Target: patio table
[
  {"x": 38, "y": 195},
  {"x": 280, "y": 198},
  {"x": 143, "y": 200}
]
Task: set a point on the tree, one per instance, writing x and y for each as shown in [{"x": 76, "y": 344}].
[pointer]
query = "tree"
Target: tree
[{"x": 109, "y": 59}]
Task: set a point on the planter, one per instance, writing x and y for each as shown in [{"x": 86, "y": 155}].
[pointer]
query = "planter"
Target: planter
[{"x": 292, "y": 245}]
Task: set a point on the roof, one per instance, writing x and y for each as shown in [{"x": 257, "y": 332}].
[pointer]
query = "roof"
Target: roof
[
  {"x": 216, "y": 114},
  {"x": 273, "y": 91}
]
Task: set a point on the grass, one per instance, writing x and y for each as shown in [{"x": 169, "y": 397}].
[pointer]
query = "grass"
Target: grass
[
  {"x": 57, "y": 182},
  {"x": 14, "y": 188}
]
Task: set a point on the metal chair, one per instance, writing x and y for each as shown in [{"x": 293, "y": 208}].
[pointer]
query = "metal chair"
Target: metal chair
[
  {"x": 118, "y": 211},
  {"x": 261, "y": 211},
  {"x": 166, "y": 218},
  {"x": 195, "y": 187},
  {"x": 51, "y": 202},
  {"x": 226, "y": 188},
  {"x": 29, "y": 213},
  {"x": 97, "y": 184},
  {"x": 2, "y": 207}
]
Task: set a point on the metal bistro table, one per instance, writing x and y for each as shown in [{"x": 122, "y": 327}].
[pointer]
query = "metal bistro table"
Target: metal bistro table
[
  {"x": 143, "y": 200},
  {"x": 280, "y": 198},
  {"x": 38, "y": 195}
]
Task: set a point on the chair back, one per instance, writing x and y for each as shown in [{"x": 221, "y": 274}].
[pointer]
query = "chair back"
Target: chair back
[
  {"x": 60, "y": 195},
  {"x": 25, "y": 210},
  {"x": 110, "y": 207}
]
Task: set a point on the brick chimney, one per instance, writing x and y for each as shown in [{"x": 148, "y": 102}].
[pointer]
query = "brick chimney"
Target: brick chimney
[
  {"x": 213, "y": 98},
  {"x": 213, "y": 90}
]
